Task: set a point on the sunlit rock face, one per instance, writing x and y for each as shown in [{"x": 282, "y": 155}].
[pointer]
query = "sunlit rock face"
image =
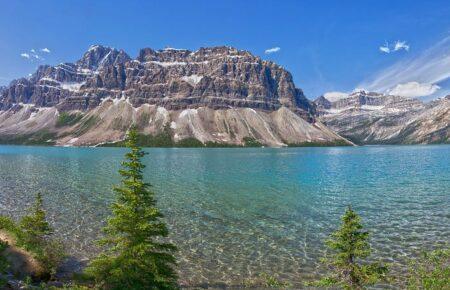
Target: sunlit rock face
[
  {"x": 373, "y": 118},
  {"x": 217, "y": 94}
]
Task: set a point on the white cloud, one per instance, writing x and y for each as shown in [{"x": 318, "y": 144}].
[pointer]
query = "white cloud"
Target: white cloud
[
  {"x": 46, "y": 50},
  {"x": 335, "y": 96},
  {"x": 385, "y": 48},
  {"x": 272, "y": 50},
  {"x": 431, "y": 66},
  {"x": 399, "y": 45},
  {"x": 413, "y": 89},
  {"x": 33, "y": 55}
]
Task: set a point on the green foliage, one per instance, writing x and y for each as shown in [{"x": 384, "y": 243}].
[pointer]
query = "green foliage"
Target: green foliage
[
  {"x": 135, "y": 255},
  {"x": 211, "y": 144},
  {"x": 319, "y": 144},
  {"x": 43, "y": 137},
  {"x": 8, "y": 225},
  {"x": 34, "y": 226},
  {"x": 273, "y": 282},
  {"x": 349, "y": 246},
  {"x": 68, "y": 119},
  {"x": 85, "y": 124},
  {"x": 431, "y": 271},
  {"x": 33, "y": 233},
  {"x": 164, "y": 140},
  {"x": 4, "y": 265},
  {"x": 190, "y": 143},
  {"x": 251, "y": 142}
]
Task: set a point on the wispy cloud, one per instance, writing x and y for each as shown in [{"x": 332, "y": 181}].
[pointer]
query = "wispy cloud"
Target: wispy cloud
[
  {"x": 35, "y": 55},
  {"x": 421, "y": 73},
  {"x": 385, "y": 48},
  {"x": 272, "y": 50},
  {"x": 398, "y": 45},
  {"x": 413, "y": 89}
]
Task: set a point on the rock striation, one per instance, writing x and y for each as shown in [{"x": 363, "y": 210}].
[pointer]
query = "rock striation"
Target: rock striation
[{"x": 217, "y": 94}]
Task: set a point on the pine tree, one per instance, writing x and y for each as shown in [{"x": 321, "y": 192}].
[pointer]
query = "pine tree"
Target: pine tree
[
  {"x": 34, "y": 226},
  {"x": 35, "y": 235},
  {"x": 349, "y": 246},
  {"x": 136, "y": 257}
]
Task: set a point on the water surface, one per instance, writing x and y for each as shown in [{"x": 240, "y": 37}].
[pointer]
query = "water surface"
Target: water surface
[{"x": 235, "y": 213}]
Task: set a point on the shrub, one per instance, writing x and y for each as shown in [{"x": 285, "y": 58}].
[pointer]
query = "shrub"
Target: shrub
[
  {"x": 33, "y": 233},
  {"x": 4, "y": 265},
  {"x": 251, "y": 142},
  {"x": 431, "y": 271}
]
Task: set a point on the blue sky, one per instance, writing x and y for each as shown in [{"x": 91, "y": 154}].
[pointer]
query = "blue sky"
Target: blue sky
[{"x": 326, "y": 45}]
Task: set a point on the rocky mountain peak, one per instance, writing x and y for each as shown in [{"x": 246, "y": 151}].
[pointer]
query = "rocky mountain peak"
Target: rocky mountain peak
[
  {"x": 99, "y": 56},
  {"x": 215, "y": 77}
]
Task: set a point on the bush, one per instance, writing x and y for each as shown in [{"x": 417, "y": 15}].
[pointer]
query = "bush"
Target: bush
[
  {"x": 251, "y": 142},
  {"x": 33, "y": 233},
  {"x": 4, "y": 265},
  {"x": 431, "y": 271}
]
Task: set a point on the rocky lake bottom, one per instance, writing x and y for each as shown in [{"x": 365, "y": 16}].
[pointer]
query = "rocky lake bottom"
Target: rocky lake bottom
[{"x": 238, "y": 212}]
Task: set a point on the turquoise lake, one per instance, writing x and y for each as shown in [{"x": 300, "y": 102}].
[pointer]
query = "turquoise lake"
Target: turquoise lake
[{"x": 236, "y": 213}]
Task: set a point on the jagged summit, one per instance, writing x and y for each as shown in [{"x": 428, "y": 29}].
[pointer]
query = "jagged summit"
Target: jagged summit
[
  {"x": 98, "y": 56},
  {"x": 173, "y": 78}
]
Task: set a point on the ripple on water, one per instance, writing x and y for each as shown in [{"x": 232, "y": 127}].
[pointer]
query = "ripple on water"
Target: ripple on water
[{"x": 235, "y": 213}]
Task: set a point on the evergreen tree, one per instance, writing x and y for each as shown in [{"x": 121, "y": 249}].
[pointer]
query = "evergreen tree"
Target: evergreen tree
[
  {"x": 349, "y": 246},
  {"x": 34, "y": 234},
  {"x": 135, "y": 255},
  {"x": 34, "y": 226}
]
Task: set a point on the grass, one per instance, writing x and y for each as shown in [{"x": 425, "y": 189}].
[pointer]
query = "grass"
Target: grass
[{"x": 68, "y": 119}]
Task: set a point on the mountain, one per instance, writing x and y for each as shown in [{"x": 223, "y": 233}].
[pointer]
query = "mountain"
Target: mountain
[
  {"x": 373, "y": 118},
  {"x": 217, "y": 94}
]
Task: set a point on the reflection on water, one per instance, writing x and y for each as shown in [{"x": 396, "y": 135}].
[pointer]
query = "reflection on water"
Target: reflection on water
[{"x": 235, "y": 213}]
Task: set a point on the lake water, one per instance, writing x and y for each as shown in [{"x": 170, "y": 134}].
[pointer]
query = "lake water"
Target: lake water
[{"x": 236, "y": 213}]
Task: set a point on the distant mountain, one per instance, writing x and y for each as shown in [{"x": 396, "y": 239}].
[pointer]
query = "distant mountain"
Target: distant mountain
[
  {"x": 217, "y": 94},
  {"x": 373, "y": 118}
]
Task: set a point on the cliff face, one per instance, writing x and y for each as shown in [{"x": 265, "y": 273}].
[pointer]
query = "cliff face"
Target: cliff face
[
  {"x": 372, "y": 118},
  {"x": 233, "y": 94}
]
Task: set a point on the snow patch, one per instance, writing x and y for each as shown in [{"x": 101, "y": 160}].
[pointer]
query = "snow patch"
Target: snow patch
[
  {"x": 168, "y": 63},
  {"x": 177, "y": 49},
  {"x": 72, "y": 86},
  {"x": 188, "y": 112},
  {"x": 192, "y": 79},
  {"x": 372, "y": 108},
  {"x": 73, "y": 140}
]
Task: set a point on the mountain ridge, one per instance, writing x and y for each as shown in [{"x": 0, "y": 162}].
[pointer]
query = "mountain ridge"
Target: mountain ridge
[
  {"x": 374, "y": 118},
  {"x": 218, "y": 94}
]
